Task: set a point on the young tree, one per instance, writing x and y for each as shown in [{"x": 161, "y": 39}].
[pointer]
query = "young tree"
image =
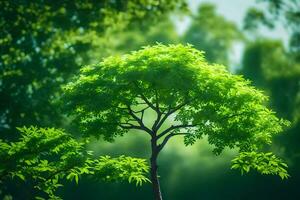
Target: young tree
[
  {"x": 43, "y": 157},
  {"x": 177, "y": 84}
]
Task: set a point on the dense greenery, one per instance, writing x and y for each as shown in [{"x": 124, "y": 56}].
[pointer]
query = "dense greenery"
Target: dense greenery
[
  {"x": 43, "y": 157},
  {"x": 276, "y": 67},
  {"x": 44, "y": 42},
  {"x": 110, "y": 98}
]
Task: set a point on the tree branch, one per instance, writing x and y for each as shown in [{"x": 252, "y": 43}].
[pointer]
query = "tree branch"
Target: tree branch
[
  {"x": 139, "y": 121},
  {"x": 173, "y": 127},
  {"x": 143, "y": 97},
  {"x": 166, "y": 139},
  {"x": 154, "y": 126},
  {"x": 142, "y": 117},
  {"x": 170, "y": 112},
  {"x": 140, "y": 111},
  {"x": 129, "y": 126}
]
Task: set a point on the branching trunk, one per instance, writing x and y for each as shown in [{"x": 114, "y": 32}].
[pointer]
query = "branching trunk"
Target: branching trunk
[{"x": 153, "y": 132}]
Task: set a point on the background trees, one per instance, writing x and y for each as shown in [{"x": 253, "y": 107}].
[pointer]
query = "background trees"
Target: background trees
[
  {"x": 211, "y": 32},
  {"x": 43, "y": 42}
]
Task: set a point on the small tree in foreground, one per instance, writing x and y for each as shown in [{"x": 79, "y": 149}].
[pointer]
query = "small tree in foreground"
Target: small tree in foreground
[
  {"x": 110, "y": 98},
  {"x": 43, "y": 158}
]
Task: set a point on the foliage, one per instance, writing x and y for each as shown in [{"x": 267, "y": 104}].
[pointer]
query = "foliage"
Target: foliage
[
  {"x": 43, "y": 157},
  {"x": 43, "y": 42},
  {"x": 271, "y": 58},
  {"x": 174, "y": 81},
  {"x": 265, "y": 163},
  {"x": 211, "y": 32},
  {"x": 136, "y": 37},
  {"x": 269, "y": 65}
]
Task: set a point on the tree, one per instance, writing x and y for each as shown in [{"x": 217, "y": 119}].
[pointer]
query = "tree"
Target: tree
[
  {"x": 44, "y": 42},
  {"x": 43, "y": 157},
  {"x": 212, "y": 33},
  {"x": 177, "y": 84}
]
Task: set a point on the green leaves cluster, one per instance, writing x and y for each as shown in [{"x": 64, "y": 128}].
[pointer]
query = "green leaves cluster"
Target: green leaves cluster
[
  {"x": 121, "y": 168},
  {"x": 265, "y": 163},
  {"x": 44, "y": 157},
  {"x": 109, "y": 98}
]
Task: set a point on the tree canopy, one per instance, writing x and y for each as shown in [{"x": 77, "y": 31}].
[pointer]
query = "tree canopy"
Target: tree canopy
[{"x": 175, "y": 81}]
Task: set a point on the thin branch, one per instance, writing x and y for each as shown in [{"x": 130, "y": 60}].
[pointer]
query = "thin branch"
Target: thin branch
[
  {"x": 154, "y": 126},
  {"x": 144, "y": 98},
  {"x": 130, "y": 127},
  {"x": 167, "y": 138},
  {"x": 173, "y": 127},
  {"x": 129, "y": 120},
  {"x": 170, "y": 112},
  {"x": 139, "y": 121},
  {"x": 142, "y": 110}
]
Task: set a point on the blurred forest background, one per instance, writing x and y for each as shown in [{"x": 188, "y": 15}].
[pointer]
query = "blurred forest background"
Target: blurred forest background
[{"x": 43, "y": 45}]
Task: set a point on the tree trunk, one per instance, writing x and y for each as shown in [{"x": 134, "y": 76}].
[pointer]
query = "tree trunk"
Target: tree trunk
[{"x": 154, "y": 177}]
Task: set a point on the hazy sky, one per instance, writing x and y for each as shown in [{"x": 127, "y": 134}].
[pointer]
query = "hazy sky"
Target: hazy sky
[{"x": 233, "y": 10}]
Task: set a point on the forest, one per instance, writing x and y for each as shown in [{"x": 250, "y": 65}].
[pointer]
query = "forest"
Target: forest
[{"x": 150, "y": 99}]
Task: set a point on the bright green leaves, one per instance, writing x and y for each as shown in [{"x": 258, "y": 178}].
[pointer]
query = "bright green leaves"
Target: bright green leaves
[
  {"x": 221, "y": 105},
  {"x": 264, "y": 163},
  {"x": 121, "y": 168},
  {"x": 46, "y": 156},
  {"x": 40, "y": 156},
  {"x": 176, "y": 82},
  {"x": 106, "y": 168},
  {"x": 164, "y": 72}
]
